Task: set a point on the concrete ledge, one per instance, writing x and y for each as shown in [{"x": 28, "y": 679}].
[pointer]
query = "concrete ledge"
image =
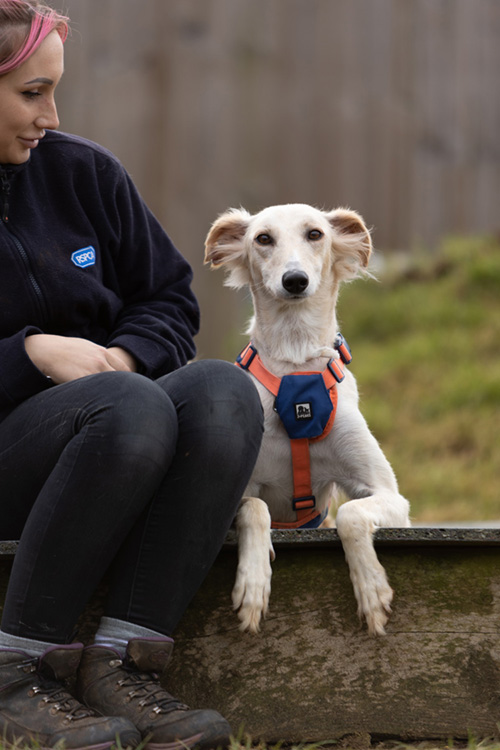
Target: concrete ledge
[
  {"x": 329, "y": 537},
  {"x": 8, "y": 549},
  {"x": 314, "y": 674}
]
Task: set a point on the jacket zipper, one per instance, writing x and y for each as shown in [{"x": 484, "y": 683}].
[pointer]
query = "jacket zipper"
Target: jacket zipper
[
  {"x": 5, "y": 194},
  {"x": 19, "y": 247}
]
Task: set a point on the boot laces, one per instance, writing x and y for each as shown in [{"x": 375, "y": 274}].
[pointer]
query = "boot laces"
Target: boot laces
[
  {"x": 146, "y": 687},
  {"x": 55, "y": 696}
]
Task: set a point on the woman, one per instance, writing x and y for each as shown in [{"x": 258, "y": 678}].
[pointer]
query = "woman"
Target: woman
[{"x": 114, "y": 455}]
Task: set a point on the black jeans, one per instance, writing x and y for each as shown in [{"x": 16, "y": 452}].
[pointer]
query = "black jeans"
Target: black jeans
[{"x": 114, "y": 472}]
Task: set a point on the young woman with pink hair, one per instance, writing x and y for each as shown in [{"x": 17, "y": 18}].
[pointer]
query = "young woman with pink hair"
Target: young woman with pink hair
[{"x": 116, "y": 456}]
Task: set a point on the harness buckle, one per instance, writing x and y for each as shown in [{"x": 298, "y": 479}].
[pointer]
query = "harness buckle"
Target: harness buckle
[
  {"x": 341, "y": 345},
  {"x": 336, "y": 370},
  {"x": 303, "y": 503},
  {"x": 246, "y": 356}
]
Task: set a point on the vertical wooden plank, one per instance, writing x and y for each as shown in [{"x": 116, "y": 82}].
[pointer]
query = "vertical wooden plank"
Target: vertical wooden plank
[{"x": 201, "y": 156}]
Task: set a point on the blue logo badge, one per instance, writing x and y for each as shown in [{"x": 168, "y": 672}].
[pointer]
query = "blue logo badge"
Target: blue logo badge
[{"x": 84, "y": 257}]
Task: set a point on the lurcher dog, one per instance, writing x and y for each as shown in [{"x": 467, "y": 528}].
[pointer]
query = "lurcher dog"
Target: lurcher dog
[{"x": 294, "y": 258}]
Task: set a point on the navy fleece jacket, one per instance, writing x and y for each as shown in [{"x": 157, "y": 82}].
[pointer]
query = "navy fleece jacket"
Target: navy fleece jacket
[{"x": 81, "y": 255}]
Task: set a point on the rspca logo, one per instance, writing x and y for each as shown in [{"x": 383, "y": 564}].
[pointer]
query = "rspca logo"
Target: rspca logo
[
  {"x": 303, "y": 411},
  {"x": 84, "y": 257}
]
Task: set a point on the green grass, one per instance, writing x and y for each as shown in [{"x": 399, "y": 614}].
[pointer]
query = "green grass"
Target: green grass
[
  {"x": 426, "y": 355},
  {"x": 245, "y": 743}
]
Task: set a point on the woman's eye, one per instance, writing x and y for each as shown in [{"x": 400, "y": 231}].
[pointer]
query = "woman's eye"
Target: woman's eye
[
  {"x": 31, "y": 94},
  {"x": 264, "y": 239},
  {"x": 314, "y": 234}
]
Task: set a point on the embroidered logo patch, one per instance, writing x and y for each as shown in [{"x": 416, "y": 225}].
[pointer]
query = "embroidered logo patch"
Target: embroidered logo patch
[
  {"x": 84, "y": 257},
  {"x": 303, "y": 411}
]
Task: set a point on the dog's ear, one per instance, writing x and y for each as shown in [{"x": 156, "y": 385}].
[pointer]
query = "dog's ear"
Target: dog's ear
[
  {"x": 352, "y": 244},
  {"x": 224, "y": 246}
]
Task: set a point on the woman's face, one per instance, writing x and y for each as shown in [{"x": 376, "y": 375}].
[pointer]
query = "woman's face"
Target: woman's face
[{"x": 27, "y": 105}]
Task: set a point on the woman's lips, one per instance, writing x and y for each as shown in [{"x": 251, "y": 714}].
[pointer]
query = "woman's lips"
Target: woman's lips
[{"x": 30, "y": 142}]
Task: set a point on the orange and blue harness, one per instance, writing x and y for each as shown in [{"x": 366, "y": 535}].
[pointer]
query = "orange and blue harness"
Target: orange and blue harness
[{"x": 306, "y": 403}]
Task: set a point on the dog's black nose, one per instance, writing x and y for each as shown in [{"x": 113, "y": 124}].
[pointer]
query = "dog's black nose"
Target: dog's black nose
[{"x": 295, "y": 282}]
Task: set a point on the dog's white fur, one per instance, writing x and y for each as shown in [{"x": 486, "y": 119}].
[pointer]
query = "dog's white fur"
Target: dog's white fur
[{"x": 294, "y": 332}]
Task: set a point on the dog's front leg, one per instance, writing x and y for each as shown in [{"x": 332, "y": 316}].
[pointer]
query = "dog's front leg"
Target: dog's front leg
[
  {"x": 356, "y": 522},
  {"x": 255, "y": 551}
]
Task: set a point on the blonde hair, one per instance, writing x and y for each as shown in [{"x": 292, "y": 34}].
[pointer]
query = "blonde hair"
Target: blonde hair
[{"x": 24, "y": 24}]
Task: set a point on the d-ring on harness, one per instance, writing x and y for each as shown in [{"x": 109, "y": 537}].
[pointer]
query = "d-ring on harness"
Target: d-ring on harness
[{"x": 307, "y": 404}]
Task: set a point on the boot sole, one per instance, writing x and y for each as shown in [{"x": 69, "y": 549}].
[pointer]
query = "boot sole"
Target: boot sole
[
  {"x": 220, "y": 740},
  {"x": 187, "y": 742}
]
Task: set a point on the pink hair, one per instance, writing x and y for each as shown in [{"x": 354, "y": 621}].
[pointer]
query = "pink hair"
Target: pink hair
[{"x": 37, "y": 20}]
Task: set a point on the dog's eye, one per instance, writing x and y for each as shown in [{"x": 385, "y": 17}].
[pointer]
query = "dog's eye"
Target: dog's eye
[
  {"x": 264, "y": 239},
  {"x": 314, "y": 234}
]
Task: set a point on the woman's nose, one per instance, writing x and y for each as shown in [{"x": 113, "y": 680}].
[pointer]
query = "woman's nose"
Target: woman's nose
[{"x": 47, "y": 119}]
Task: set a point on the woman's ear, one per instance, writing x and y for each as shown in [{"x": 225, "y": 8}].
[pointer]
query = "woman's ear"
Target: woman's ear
[
  {"x": 351, "y": 244},
  {"x": 224, "y": 246}
]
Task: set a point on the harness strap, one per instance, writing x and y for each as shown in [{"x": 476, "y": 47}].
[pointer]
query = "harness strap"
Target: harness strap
[
  {"x": 249, "y": 359},
  {"x": 312, "y": 520},
  {"x": 304, "y": 502}
]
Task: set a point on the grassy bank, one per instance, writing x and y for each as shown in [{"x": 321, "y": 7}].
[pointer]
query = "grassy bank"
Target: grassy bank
[{"x": 426, "y": 346}]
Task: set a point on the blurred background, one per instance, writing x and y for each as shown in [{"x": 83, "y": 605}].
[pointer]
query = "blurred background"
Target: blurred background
[{"x": 391, "y": 107}]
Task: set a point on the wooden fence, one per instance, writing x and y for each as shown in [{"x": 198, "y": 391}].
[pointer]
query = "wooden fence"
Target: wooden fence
[{"x": 389, "y": 106}]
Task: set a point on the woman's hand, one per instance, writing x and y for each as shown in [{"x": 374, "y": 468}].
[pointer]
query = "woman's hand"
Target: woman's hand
[
  {"x": 126, "y": 358},
  {"x": 63, "y": 358}
]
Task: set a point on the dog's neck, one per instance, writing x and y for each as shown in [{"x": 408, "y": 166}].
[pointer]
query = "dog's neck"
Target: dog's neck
[{"x": 293, "y": 335}]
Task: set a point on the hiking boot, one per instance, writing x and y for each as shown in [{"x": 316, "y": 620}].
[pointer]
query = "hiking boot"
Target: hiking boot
[
  {"x": 130, "y": 687},
  {"x": 35, "y": 706}
]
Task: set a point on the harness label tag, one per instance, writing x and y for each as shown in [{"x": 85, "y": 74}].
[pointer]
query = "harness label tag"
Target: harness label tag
[{"x": 303, "y": 411}]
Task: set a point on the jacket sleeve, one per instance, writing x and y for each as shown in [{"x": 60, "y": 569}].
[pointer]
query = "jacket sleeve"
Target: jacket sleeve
[
  {"x": 160, "y": 314},
  {"x": 19, "y": 377}
]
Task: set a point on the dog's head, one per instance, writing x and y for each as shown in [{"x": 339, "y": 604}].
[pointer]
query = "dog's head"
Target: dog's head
[{"x": 289, "y": 251}]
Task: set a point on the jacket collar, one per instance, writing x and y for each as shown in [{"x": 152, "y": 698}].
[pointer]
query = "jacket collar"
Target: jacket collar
[{"x": 9, "y": 170}]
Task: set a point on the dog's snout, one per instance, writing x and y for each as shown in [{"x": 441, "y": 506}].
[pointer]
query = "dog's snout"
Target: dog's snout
[{"x": 295, "y": 282}]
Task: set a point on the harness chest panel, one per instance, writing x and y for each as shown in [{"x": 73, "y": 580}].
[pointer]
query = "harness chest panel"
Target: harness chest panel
[{"x": 306, "y": 403}]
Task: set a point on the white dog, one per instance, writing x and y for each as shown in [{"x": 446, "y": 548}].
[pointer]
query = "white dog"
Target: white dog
[{"x": 293, "y": 258}]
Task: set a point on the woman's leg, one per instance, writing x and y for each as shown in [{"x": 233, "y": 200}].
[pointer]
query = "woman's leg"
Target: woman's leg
[
  {"x": 79, "y": 463},
  {"x": 170, "y": 551}
]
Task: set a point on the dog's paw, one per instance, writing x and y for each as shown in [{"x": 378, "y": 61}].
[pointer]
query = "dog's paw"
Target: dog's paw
[
  {"x": 374, "y": 596},
  {"x": 250, "y": 595}
]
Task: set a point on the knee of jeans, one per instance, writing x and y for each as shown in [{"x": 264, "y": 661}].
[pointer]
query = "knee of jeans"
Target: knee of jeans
[
  {"x": 223, "y": 394},
  {"x": 127, "y": 407}
]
